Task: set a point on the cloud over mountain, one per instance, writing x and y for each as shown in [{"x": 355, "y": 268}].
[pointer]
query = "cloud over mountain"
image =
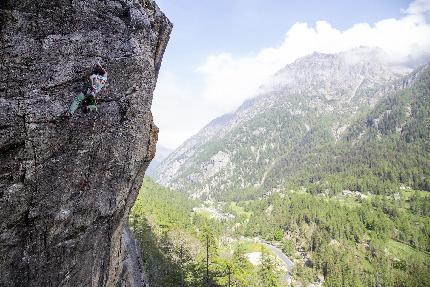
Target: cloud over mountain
[{"x": 230, "y": 79}]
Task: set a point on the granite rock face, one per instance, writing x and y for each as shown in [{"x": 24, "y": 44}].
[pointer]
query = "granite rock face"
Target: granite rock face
[{"x": 66, "y": 185}]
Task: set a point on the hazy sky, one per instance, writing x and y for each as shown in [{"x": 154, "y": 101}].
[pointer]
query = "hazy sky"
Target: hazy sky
[{"x": 221, "y": 50}]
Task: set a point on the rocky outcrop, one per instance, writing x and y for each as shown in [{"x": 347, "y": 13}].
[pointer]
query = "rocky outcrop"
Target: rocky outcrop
[{"x": 66, "y": 185}]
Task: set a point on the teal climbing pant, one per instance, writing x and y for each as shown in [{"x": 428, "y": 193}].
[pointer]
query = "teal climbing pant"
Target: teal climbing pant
[{"x": 88, "y": 101}]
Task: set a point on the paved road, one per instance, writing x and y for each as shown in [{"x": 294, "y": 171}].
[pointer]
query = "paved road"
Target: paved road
[{"x": 280, "y": 254}]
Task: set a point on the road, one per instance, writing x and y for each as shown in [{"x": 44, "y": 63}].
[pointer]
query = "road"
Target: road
[
  {"x": 280, "y": 254},
  {"x": 290, "y": 264}
]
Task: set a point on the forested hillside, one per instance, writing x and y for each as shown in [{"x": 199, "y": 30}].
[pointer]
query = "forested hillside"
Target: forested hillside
[
  {"x": 374, "y": 241},
  {"x": 384, "y": 148},
  {"x": 332, "y": 166},
  {"x": 185, "y": 246},
  {"x": 324, "y": 118},
  {"x": 342, "y": 240}
]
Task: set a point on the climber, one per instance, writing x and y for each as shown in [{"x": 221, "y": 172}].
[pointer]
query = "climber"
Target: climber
[{"x": 87, "y": 99}]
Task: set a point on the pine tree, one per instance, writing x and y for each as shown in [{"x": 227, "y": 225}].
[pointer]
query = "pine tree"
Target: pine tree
[{"x": 268, "y": 276}]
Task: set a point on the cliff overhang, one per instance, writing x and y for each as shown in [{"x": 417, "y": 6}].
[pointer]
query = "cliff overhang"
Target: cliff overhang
[{"x": 66, "y": 185}]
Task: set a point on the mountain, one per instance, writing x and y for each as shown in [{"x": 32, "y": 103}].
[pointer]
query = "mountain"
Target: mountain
[
  {"x": 161, "y": 154},
  {"x": 309, "y": 110},
  {"x": 67, "y": 184}
]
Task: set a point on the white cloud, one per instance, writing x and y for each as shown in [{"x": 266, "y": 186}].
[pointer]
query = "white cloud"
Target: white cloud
[
  {"x": 170, "y": 98},
  {"x": 419, "y": 7},
  {"x": 178, "y": 110},
  {"x": 172, "y": 138},
  {"x": 230, "y": 80}
]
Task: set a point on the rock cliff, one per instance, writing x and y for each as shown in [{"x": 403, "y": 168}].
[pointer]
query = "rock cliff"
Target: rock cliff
[{"x": 66, "y": 185}]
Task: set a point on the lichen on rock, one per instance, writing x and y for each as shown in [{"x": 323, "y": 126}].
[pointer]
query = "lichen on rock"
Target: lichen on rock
[{"x": 66, "y": 185}]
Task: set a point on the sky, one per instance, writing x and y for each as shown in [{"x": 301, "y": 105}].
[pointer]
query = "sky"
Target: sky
[{"x": 221, "y": 51}]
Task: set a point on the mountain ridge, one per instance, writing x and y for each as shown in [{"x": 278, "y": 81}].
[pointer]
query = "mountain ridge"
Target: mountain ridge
[{"x": 326, "y": 88}]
